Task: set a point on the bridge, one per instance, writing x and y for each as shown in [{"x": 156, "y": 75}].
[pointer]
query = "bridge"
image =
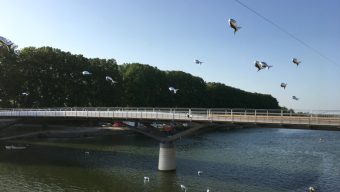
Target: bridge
[
  {"x": 199, "y": 117},
  {"x": 256, "y": 116}
]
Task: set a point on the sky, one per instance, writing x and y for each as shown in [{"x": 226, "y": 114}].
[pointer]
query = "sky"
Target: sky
[{"x": 170, "y": 35}]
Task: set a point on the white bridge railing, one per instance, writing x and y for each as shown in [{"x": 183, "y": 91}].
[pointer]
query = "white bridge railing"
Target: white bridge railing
[{"x": 265, "y": 116}]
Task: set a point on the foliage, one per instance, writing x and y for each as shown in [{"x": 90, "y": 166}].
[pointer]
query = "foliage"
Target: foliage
[{"x": 53, "y": 78}]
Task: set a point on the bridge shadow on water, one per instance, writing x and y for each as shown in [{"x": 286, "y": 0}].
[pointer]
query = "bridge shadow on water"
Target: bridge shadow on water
[{"x": 63, "y": 156}]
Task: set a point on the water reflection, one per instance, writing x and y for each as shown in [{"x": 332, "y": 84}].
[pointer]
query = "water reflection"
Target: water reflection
[{"x": 240, "y": 160}]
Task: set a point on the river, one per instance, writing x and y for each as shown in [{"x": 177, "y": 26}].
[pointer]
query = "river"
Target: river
[{"x": 258, "y": 159}]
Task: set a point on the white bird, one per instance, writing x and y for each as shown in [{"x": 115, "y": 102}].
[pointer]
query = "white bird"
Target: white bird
[
  {"x": 199, "y": 173},
  {"x": 233, "y": 24},
  {"x": 109, "y": 79},
  {"x": 262, "y": 65},
  {"x": 198, "y": 62},
  {"x": 24, "y": 94},
  {"x": 85, "y": 73},
  {"x": 296, "y": 61},
  {"x": 146, "y": 179},
  {"x": 87, "y": 153},
  {"x": 311, "y": 189},
  {"x": 295, "y": 98},
  {"x": 172, "y": 89},
  {"x": 183, "y": 188},
  {"x": 208, "y": 190},
  {"x": 284, "y": 85}
]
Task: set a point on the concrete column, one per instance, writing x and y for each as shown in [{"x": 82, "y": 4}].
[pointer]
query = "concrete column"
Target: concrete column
[{"x": 167, "y": 157}]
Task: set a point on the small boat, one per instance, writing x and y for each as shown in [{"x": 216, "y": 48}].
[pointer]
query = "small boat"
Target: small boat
[{"x": 12, "y": 147}]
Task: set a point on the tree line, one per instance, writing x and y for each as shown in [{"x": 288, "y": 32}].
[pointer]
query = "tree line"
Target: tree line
[{"x": 49, "y": 77}]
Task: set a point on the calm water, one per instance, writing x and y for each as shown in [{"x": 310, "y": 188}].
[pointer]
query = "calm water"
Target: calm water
[{"x": 239, "y": 160}]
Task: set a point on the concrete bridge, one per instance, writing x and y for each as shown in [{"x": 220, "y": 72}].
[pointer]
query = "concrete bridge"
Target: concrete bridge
[{"x": 198, "y": 117}]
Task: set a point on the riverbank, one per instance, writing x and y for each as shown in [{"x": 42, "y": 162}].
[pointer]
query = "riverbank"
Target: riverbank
[{"x": 23, "y": 131}]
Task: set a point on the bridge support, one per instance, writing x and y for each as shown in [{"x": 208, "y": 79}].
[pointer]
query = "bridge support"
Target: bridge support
[{"x": 167, "y": 157}]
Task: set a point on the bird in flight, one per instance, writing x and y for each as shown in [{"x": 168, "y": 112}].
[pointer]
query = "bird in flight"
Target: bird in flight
[
  {"x": 172, "y": 89},
  {"x": 85, "y": 73},
  {"x": 296, "y": 61},
  {"x": 198, "y": 62},
  {"x": 262, "y": 65},
  {"x": 233, "y": 25},
  {"x": 295, "y": 98},
  {"x": 284, "y": 85},
  {"x": 183, "y": 188},
  {"x": 109, "y": 79}
]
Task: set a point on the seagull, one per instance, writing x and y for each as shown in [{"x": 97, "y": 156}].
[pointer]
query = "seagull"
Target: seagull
[
  {"x": 208, "y": 190},
  {"x": 173, "y": 89},
  {"x": 311, "y": 189},
  {"x": 262, "y": 65},
  {"x": 296, "y": 61},
  {"x": 199, "y": 173},
  {"x": 284, "y": 85},
  {"x": 233, "y": 24},
  {"x": 183, "y": 188},
  {"x": 295, "y": 98},
  {"x": 24, "y": 94},
  {"x": 198, "y": 62},
  {"x": 85, "y": 73},
  {"x": 146, "y": 179},
  {"x": 109, "y": 79},
  {"x": 87, "y": 153}
]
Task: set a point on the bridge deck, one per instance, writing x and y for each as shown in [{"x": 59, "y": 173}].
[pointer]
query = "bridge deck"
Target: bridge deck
[{"x": 203, "y": 115}]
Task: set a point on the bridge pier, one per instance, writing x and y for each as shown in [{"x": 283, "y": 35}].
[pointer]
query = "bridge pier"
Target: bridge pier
[{"x": 167, "y": 157}]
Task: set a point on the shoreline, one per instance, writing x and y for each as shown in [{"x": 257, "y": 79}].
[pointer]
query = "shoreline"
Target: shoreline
[{"x": 57, "y": 131}]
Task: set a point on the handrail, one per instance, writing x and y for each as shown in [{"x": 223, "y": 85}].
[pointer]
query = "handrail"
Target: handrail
[{"x": 331, "y": 117}]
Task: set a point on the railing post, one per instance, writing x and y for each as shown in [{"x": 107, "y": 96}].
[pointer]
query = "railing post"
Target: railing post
[
  {"x": 255, "y": 115},
  {"x": 281, "y": 117},
  {"x": 173, "y": 114},
  {"x": 232, "y": 116}
]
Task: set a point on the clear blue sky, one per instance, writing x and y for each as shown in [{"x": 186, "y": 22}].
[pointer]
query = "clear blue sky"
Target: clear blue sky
[{"x": 171, "y": 34}]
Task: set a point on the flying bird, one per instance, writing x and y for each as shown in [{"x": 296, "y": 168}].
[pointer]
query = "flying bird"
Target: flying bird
[
  {"x": 233, "y": 24},
  {"x": 295, "y": 98},
  {"x": 296, "y": 61},
  {"x": 183, "y": 188},
  {"x": 284, "y": 85},
  {"x": 262, "y": 65},
  {"x": 198, "y": 62},
  {"x": 208, "y": 190},
  {"x": 109, "y": 79},
  {"x": 86, "y": 73},
  {"x": 24, "y": 94},
  {"x": 173, "y": 90},
  {"x": 199, "y": 173}
]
